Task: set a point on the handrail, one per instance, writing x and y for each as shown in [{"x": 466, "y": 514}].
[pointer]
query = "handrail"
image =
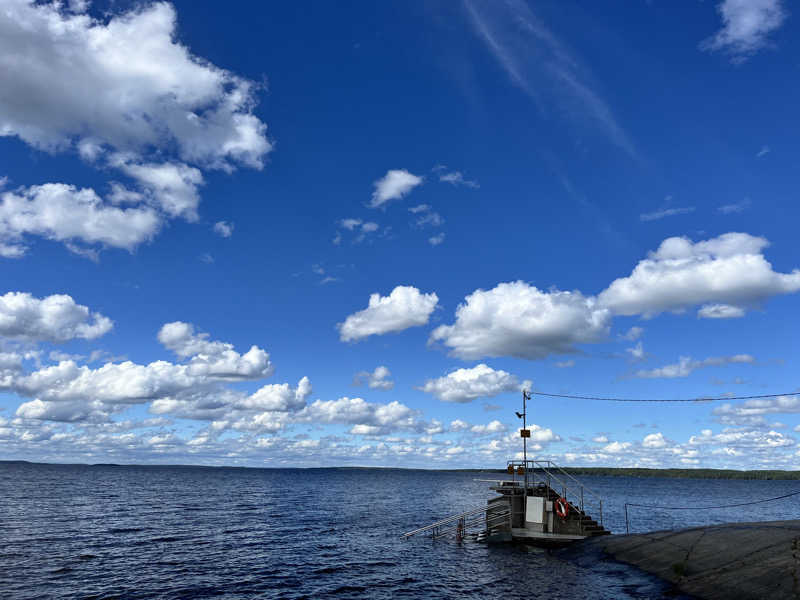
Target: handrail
[
  {"x": 547, "y": 466},
  {"x": 448, "y": 520},
  {"x": 498, "y": 511},
  {"x": 575, "y": 479},
  {"x": 491, "y": 522}
]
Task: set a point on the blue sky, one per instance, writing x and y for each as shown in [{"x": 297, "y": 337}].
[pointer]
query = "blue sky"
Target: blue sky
[{"x": 350, "y": 234}]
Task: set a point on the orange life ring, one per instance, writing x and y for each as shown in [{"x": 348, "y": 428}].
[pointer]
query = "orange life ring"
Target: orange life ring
[{"x": 562, "y": 508}]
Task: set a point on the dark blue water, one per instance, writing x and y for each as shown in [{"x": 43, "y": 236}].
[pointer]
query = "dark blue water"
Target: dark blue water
[{"x": 185, "y": 532}]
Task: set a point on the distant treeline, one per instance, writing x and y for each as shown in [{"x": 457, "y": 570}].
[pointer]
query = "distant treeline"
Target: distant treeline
[
  {"x": 684, "y": 473},
  {"x": 605, "y": 471}
]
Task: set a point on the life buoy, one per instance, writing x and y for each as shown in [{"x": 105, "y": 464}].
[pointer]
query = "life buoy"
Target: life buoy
[{"x": 562, "y": 508}]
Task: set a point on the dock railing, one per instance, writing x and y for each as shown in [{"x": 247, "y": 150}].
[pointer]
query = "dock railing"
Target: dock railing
[
  {"x": 568, "y": 486},
  {"x": 492, "y": 517}
]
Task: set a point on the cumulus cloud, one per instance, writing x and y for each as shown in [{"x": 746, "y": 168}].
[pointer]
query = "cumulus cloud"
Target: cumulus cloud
[
  {"x": 55, "y": 318},
  {"x": 746, "y": 27},
  {"x": 278, "y": 397},
  {"x": 70, "y": 392},
  {"x": 393, "y": 186},
  {"x": 172, "y": 187},
  {"x": 759, "y": 407},
  {"x": 151, "y": 110},
  {"x": 380, "y": 418},
  {"x": 517, "y": 319},
  {"x": 72, "y": 80},
  {"x": 492, "y": 427},
  {"x": 404, "y": 307},
  {"x": 376, "y": 380},
  {"x": 64, "y": 213},
  {"x": 223, "y": 229},
  {"x": 729, "y": 269},
  {"x": 686, "y": 366},
  {"x": 465, "y": 385},
  {"x": 654, "y": 440}
]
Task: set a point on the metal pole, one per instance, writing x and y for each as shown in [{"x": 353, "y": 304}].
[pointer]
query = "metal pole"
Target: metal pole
[
  {"x": 627, "y": 525},
  {"x": 525, "y": 440},
  {"x": 525, "y": 457}
]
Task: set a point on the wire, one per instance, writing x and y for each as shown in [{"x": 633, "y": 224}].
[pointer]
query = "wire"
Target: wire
[
  {"x": 709, "y": 507},
  {"x": 662, "y": 399}
]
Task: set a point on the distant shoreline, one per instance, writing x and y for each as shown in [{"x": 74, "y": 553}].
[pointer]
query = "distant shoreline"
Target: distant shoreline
[{"x": 598, "y": 471}]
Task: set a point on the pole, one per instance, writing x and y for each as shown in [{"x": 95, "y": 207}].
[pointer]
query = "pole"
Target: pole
[{"x": 627, "y": 525}]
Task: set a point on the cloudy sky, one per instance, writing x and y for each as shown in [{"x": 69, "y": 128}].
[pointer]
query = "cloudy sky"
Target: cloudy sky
[{"x": 350, "y": 234}]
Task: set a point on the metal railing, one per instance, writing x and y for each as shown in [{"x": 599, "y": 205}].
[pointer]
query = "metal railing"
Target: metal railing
[
  {"x": 492, "y": 517},
  {"x": 578, "y": 495}
]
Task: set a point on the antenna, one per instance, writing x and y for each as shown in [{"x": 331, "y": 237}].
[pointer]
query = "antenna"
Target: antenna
[{"x": 526, "y": 395}]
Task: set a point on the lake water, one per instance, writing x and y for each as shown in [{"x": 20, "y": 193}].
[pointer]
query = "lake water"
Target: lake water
[{"x": 188, "y": 532}]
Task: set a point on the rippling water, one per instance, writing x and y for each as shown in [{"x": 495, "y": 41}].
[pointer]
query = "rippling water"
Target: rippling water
[{"x": 190, "y": 532}]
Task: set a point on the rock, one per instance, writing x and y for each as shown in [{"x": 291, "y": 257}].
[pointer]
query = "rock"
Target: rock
[{"x": 734, "y": 560}]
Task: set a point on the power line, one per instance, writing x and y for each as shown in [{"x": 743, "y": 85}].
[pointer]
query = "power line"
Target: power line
[
  {"x": 651, "y": 506},
  {"x": 710, "y": 507},
  {"x": 704, "y": 399}
]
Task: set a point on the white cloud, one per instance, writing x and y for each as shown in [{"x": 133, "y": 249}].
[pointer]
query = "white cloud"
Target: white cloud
[
  {"x": 633, "y": 334},
  {"x": 566, "y": 364},
  {"x": 666, "y": 212},
  {"x": 278, "y": 397},
  {"x": 654, "y": 440},
  {"x": 458, "y": 425},
  {"x": 736, "y": 207},
  {"x": 404, "y": 307},
  {"x": 616, "y": 447},
  {"x": 720, "y": 311},
  {"x": 760, "y": 406},
  {"x": 538, "y": 63},
  {"x": 393, "y": 186},
  {"x": 72, "y": 80},
  {"x": 223, "y": 228},
  {"x": 427, "y": 216},
  {"x": 69, "y": 392},
  {"x": 171, "y": 186},
  {"x": 361, "y": 228},
  {"x": 377, "y": 380},
  {"x": 437, "y": 239},
  {"x": 152, "y": 110},
  {"x": 517, "y": 319},
  {"x": 600, "y": 439},
  {"x": 490, "y": 428},
  {"x": 637, "y": 352},
  {"x": 747, "y": 25},
  {"x": 457, "y": 178},
  {"x": 729, "y": 269},
  {"x": 385, "y": 418},
  {"x": 686, "y": 366},
  {"x": 465, "y": 385},
  {"x": 55, "y": 318},
  {"x": 63, "y": 213},
  {"x": 763, "y": 152}
]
